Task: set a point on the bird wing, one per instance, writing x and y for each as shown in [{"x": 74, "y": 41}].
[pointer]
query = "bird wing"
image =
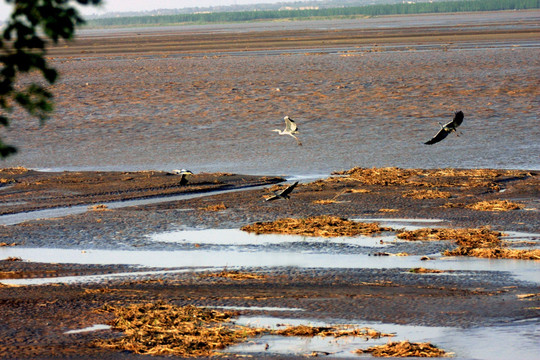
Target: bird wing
[
  {"x": 270, "y": 198},
  {"x": 288, "y": 190},
  {"x": 290, "y": 125},
  {"x": 458, "y": 119},
  {"x": 438, "y": 137}
]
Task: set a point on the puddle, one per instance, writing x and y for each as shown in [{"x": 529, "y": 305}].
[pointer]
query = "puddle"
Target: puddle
[
  {"x": 402, "y": 223},
  {"x": 196, "y": 259},
  {"x": 96, "y": 327},
  {"x": 518, "y": 340},
  {"x": 235, "y": 237},
  {"x": 521, "y": 236}
]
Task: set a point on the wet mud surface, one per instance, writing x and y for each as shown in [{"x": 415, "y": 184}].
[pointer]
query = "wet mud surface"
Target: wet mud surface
[
  {"x": 37, "y": 317},
  {"x": 364, "y": 92}
]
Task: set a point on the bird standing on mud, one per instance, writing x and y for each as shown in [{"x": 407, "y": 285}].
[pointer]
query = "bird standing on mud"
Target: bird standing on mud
[
  {"x": 290, "y": 129},
  {"x": 283, "y": 194},
  {"x": 447, "y": 128}
]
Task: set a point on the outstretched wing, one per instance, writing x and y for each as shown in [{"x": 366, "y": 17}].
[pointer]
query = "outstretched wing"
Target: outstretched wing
[
  {"x": 288, "y": 190},
  {"x": 270, "y": 198},
  {"x": 458, "y": 119},
  {"x": 290, "y": 125},
  {"x": 438, "y": 137}
]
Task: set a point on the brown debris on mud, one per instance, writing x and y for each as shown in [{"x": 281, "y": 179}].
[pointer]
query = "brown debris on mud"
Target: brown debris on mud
[
  {"x": 421, "y": 270},
  {"x": 475, "y": 236},
  {"x": 164, "y": 329},
  {"x": 235, "y": 275},
  {"x": 324, "y": 226},
  {"x": 495, "y": 205},
  {"x": 393, "y": 176},
  {"x": 404, "y": 349},
  {"x": 482, "y": 242},
  {"x": 334, "y": 331},
  {"x": 427, "y": 194}
]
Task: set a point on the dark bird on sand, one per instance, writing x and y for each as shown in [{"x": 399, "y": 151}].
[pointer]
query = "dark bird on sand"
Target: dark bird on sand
[
  {"x": 290, "y": 129},
  {"x": 447, "y": 128},
  {"x": 282, "y": 194}
]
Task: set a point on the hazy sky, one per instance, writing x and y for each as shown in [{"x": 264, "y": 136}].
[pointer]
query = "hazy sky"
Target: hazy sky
[{"x": 141, "y": 5}]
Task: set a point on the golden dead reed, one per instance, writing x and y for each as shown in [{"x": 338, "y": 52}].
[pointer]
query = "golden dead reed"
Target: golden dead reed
[
  {"x": 480, "y": 242},
  {"x": 464, "y": 235},
  {"x": 358, "y": 191},
  {"x": 427, "y": 194},
  {"x": 495, "y": 205},
  {"x": 190, "y": 331},
  {"x": 391, "y": 176},
  {"x": 235, "y": 275},
  {"x": 334, "y": 331},
  {"x": 388, "y": 210},
  {"x": 7, "y": 244},
  {"x": 99, "y": 207},
  {"x": 404, "y": 349},
  {"x": 421, "y": 270},
  {"x": 217, "y": 207},
  {"x": 324, "y": 226},
  {"x": 163, "y": 329},
  {"x": 14, "y": 170},
  {"x": 498, "y": 252},
  {"x": 379, "y": 176},
  {"x": 324, "y": 201}
]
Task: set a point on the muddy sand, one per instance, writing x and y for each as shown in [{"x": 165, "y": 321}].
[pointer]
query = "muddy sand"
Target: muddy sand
[{"x": 35, "y": 318}]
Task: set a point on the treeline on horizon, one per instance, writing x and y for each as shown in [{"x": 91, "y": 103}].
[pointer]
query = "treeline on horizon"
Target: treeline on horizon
[{"x": 368, "y": 10}]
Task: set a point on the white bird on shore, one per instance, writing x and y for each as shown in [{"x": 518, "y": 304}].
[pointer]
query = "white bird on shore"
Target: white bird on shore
[
  {"x": 447, "y": 128},
  {"x": 290, "y": 129}
]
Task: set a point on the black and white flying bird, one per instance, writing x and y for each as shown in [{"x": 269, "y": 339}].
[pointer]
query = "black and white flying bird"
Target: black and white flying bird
[
  {"x": 290, "y": 129},
  {"x": 447, "y": 128},
  {"x": 282, "y": 194}
]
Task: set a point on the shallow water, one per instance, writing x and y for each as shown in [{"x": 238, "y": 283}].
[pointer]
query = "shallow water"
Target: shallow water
[
  {"x": 95, "y": 327},
  {"x": 496, "y": 342},
  {"x": 236, "y": 258}
]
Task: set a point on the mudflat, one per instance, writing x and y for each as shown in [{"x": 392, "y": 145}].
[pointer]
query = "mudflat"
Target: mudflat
[{"x": 37, "y": 317}]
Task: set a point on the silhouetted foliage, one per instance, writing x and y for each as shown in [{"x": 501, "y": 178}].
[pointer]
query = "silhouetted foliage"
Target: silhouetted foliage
[{"x": 32, "y": 25}]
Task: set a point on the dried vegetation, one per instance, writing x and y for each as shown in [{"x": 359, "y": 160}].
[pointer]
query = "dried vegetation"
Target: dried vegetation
[
  {"x": 99, "y": 207},
  {"x": 495, "y": 205},
  {"x": 190, "y": 331},
  {"x": 481, "y": 242},
  {"x": 163, "y": 329},
  {"x": 235, "y": 275},
  {"x": 217, "y": 207},
  {"x": 404, "y": 349},
  {"x": 324, "y": 226},
  {"x": 334, "y": 331},
  {"x": 391, "y": 176},
  {"x": 421, "y": 270},
  {"x": 464, "y": 235},
  {"x": 427, "y": 194}
]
